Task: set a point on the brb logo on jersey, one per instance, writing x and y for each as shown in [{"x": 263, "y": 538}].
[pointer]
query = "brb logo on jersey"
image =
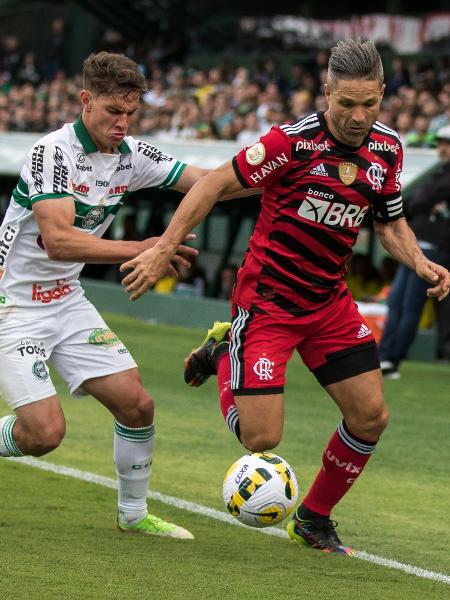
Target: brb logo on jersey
[{"x": 331, "y": 213}]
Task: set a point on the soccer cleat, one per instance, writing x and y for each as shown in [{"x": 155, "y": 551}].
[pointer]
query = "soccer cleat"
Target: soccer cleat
[
  {"x": 151, "y": 525},
  {"x": 202, "y": 362},
  {"x": 318, "y": 533},
  {"x": 389, "y": 370}
]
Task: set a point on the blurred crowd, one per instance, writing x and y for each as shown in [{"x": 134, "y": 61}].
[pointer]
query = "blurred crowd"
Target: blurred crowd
[{"x": 225, "y": 102}]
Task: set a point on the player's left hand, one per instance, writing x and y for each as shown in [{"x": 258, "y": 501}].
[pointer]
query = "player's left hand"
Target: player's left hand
[
  {"x": 437, "y": 275},
  {"x": 152, "y": 264}
]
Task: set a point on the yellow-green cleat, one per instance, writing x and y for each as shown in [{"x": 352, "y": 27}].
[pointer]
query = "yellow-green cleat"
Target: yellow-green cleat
[
  {"x": 202, "y": 362},
  {"x": 151, "y": 525}
]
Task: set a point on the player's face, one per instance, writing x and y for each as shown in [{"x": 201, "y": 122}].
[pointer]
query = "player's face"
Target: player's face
[
  {"x": 353, "y": 107},
  {"x": 108, "y": 117}
]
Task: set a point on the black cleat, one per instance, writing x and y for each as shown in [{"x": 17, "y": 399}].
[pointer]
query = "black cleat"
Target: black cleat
[
  {"x": 317, "y": 532},
  {"x": 202, "y": 362}
]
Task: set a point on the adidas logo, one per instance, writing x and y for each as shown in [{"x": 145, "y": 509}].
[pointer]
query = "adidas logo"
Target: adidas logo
[
  {"x": 319, "y": 170},
  {"x": 363, "y": 331}
]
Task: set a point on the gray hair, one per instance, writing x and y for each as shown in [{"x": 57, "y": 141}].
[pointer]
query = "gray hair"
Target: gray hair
[{"x": 355, "y": 59}]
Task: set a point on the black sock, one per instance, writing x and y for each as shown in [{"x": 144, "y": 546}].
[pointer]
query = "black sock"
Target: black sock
[{"x": 305, "y": 513}]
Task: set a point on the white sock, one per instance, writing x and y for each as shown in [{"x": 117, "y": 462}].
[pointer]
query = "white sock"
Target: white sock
[
  {"x": 133, "y": 450},
  {"x": 8, "y": 446}
]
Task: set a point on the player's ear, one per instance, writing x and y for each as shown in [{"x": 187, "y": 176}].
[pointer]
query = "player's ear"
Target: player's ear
[{"x": 86, "y": 100}]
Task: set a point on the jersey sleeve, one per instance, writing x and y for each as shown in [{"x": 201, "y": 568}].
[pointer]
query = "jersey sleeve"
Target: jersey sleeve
[
  {"x": 264, "y": 162},
  {"x": 49, "y": 172},
  {"x": 154, "y": 168},
  {"x": 389, "y": 204}
]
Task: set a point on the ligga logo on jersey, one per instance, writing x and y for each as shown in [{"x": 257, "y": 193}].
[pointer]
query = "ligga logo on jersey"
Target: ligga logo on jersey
[{"x": 46, "y": 296}]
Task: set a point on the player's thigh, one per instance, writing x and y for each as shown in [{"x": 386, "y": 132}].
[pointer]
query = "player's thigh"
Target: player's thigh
[
  {"x": 88, "y": 348},
  {"x": 361, "y": 401},
  {"x": 261, "y": 420},
  {"x": 124, "y": 396}
]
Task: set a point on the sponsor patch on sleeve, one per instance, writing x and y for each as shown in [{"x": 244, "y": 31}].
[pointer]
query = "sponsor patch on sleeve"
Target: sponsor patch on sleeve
[{"x": 255, "y": 154}]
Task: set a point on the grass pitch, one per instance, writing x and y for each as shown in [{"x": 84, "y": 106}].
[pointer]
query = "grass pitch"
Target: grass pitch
[{"x": 57, "y": 534}]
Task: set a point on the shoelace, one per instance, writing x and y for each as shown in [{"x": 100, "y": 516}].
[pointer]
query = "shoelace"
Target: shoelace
[{"x": 326, "y": 525}]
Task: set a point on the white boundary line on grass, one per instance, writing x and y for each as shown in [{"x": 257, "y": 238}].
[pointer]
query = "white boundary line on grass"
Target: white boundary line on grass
[{"x": 218, "y": 515}]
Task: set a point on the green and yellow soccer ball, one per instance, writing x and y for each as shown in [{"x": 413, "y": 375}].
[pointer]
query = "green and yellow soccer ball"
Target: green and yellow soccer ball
[{"x": 260, "y": 489}]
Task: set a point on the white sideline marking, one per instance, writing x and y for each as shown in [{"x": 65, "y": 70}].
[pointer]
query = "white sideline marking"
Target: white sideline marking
[{"x": 218, "y": 515}]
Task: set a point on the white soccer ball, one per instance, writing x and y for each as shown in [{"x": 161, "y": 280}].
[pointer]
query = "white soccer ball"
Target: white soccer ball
[{"x": 260, "y": 489}]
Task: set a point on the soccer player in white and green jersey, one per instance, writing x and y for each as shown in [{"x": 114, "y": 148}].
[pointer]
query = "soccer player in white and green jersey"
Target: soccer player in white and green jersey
[{"x": 72, "y": 184}]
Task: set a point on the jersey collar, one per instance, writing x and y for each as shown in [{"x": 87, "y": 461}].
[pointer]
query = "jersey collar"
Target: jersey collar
[{"x": 88, "y": 143}]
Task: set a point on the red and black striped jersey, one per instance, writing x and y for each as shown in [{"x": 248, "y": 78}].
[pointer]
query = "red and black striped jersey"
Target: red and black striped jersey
[{"x": 316, "y": 193}]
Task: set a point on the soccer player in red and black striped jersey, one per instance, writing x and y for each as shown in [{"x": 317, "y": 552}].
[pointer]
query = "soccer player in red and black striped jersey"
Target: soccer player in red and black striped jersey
[{"x": 319, "y": 177}]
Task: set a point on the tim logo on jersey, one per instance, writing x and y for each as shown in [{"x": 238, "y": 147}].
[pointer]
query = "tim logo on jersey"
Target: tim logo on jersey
[{"x": 334, "y": 214}]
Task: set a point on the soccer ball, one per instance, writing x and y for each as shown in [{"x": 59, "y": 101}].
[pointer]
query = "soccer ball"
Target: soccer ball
[{"x": 260, "y": 489}]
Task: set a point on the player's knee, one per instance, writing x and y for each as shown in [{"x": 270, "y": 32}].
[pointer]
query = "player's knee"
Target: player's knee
[
  {"x": 140, "y": 411},
  {"x": 370, "y": 424},
  {"x": 377, "y": 420},
  {"x": 381, "y": 419},
  {"x": 260, "y": 441},
  {"x": 46, "y": 439},
  {"x": 145, "y": 407}
]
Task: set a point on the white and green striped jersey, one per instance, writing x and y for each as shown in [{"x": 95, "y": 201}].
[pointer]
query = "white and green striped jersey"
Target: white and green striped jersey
[{"x": 67, "y": 163}]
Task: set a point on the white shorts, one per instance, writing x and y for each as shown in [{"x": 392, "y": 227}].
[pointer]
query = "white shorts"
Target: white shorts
[{"x": 72, "y": 337}]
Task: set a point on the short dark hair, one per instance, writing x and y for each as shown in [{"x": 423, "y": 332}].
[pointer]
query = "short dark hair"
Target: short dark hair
[
  {"x": 108, "y": 73},
  {"x": 355, "y": 59}
]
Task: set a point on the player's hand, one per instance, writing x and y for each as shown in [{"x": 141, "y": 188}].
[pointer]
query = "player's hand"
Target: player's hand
[
  {"x": 151, "y": 265},
  {"x": 437, "y": 275}
]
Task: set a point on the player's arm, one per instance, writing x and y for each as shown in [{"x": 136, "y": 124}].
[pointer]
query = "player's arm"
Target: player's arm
[
  {"x": 199, "y": 201},
  {"x": 401, "y": 243},
  {"x": 191, "y": 175},
  {"x": 63, "y": 242}
]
